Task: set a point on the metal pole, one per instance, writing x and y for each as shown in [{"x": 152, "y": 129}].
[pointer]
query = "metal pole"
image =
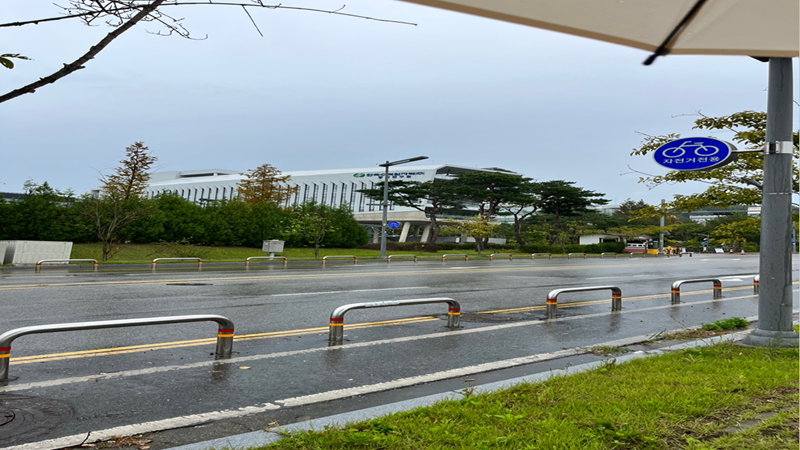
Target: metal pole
[
  {"x": 661, "y": 234},
  {"x": 384, "y": 222},
  {"x": 775, "y": 259}
]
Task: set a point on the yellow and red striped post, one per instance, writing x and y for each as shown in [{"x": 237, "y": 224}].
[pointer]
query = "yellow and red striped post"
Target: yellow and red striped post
[
  {"x": 224, "y": 342},
  {"x": 453, "y": 316}
]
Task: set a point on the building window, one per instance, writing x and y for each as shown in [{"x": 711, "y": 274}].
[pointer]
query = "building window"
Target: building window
[
  {"x": 316, "y": 191},
  {"x": 361, "y": 198},
  {"x": 324, "y": 193},
  {"x": 343, "y": 198},
  {"x": 195, "y": 194},
  {"x": 223, "y": 192},
  {"x": 182, "y": 194},
  {"x": 216, "y": 193},
  {"x": 353, "y": 196},
  {"x": 202, "y": 193},
  {"x": 305, "y": 193},
  {"x": 333, "y": 194},
  {"x": 371, "y": 200}
]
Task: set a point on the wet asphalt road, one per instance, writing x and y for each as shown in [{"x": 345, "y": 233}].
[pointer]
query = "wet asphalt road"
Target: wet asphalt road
[{"x": 159, "y": 377}]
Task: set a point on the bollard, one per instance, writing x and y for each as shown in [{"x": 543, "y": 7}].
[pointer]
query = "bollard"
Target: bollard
[
  {"x": 675, "y": 290},
  {"x": 552, "y": 298}
]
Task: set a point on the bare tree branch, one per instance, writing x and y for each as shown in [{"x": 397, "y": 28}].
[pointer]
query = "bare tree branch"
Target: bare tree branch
[
  {"x": 78, "y": 63},
  {"x": 83, "y": 10}
]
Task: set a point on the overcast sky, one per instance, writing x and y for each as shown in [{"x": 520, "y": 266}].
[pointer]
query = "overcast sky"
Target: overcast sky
[{"x": 327, "y": 92}]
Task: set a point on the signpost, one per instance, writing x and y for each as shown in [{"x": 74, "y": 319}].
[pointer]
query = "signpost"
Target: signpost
[
  {"x": 695, "y": 153},
  {"x": 393, "y": 224}
]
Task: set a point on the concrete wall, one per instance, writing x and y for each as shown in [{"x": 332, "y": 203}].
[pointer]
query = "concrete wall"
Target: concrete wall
[{"x": 31, "y": 252}]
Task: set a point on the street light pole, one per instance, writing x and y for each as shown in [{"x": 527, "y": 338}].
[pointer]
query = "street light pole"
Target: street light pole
[{"x": 385, "y": 204}]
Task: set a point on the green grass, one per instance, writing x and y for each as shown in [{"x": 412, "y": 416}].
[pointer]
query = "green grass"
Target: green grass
[
  {"x": 695, "y": 399},
  {"x": 726, "y": 324}
]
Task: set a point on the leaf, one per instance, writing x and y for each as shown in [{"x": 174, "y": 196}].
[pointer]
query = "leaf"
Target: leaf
[{"x": 7, "y": 63}]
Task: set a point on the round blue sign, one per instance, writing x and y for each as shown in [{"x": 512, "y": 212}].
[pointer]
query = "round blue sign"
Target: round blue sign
[
  {"x": 694, "y": 153},
  {"x": 393, "y": 224}
]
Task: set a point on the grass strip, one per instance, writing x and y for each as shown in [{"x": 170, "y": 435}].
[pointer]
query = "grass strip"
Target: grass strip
[{"x": 718, "y": 397}]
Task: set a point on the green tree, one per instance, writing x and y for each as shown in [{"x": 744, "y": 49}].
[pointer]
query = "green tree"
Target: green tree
[
  {"x": 738, "y": 183},
  {"x": 131, "y": 177},
  {"x": 119, "y": 204},
  {"x": 478, "y": 228},
  {"x": 43, "y": 213},
  {"x": 310, "y": 223},
  {"x": 430, "y": 197},
  {"x": 265, "y": 183},
  {"x": 500, "y": 193}
]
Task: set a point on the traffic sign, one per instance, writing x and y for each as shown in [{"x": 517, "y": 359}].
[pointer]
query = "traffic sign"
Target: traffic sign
[
  {"x": 695, "y": 153},
  {"x": 393, "y": 224}
]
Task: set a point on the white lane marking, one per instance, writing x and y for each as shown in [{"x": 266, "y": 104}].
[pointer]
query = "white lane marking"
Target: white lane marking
[
  {"x": 620, "y": 276},
  {"x": 244, "y": 359},
  {"x": 344, "y": 292}
]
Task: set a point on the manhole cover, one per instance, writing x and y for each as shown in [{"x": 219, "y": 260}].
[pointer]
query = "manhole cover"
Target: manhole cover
[
  {"x": 189, "y": 284},
  {"x": 22, "y": 419}
]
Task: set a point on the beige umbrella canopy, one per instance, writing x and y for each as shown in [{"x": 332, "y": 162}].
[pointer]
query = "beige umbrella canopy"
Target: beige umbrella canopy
[{"x": 759, "y": 28}]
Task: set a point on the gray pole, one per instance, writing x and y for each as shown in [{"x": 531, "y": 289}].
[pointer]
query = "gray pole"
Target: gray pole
[
  {"x": 661, "y": 234},
  {"x": 775, "y": 262},
  {"x": 385, "y": 211}
]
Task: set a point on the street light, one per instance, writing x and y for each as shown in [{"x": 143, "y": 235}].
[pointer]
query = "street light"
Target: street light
[{"x": 388, "y": 164}]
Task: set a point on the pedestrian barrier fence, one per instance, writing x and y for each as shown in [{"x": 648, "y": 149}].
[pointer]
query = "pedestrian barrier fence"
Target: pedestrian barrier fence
[
  {"x": 755, "y": 284},
  {"x": 325, "y": 258},
  {"x": 569, "y": 255},
  {"x": 389, "y": 258},
  {"x": 510, "y": 256},
  {"x": 552, "y": 297},
  {"x": 270, "y": 258},
  {"x": 336, "y": 332},
  {"x": 549, "y": 255},
  {"x": 685, "y": 253},
  {"x": 157, "y": 260},
  {"x": 676, "y": 288},
  {"x": 644, "y": 254},
  {"x": 68, "y": 261},
  {"x": 224, "y": 333},
  {"x": 608, "y": 253},
  {"x": 466, "y": 258}
]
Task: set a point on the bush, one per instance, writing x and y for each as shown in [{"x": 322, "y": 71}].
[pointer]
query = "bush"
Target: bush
[{"x": 603, "y": 247}]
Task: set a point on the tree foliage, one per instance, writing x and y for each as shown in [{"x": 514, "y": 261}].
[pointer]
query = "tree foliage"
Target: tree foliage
[
  {"x": 131, "y": 177},
  {"x": 263, "y": 184},
  {"x": 430, "y": 197},
  {"x": 477, "y": 227}
]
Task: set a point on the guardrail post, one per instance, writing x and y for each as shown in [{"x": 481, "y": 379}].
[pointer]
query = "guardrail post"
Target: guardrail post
[
  {"x": 224, "y": 347},
  {"x": 675, "y": 290},
  {"x": 336, "y": 323},
  {"x": 552, "y": 298}
]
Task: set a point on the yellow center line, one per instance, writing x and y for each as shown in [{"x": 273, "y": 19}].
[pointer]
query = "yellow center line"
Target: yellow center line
[{"x": 276, "y": 334}]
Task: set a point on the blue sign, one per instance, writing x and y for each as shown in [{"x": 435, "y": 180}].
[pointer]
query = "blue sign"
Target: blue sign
[
  {"x": 694, "y": 153},
  {"x": 393, "y": 224}
]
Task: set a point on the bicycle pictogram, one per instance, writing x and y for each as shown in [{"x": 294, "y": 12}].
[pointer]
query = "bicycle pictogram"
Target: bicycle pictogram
[{"x": 699, "y": 150}]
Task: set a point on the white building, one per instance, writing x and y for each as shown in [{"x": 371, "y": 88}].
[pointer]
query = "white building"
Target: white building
[{"x": 327, "y": 187}]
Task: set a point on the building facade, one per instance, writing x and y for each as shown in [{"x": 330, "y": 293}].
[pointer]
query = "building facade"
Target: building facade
[{"x": 328, "y": 187}]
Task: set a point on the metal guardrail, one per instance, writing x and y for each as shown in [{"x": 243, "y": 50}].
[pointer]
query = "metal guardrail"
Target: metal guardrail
[
  {"x": 756, "y": 280},
  {"x": 336, "y": 329},
  {"x": 38, "y": 267},
  {"x": 644, "y": 254},
  {"x": 270, "y": 258},
  {"x": 224, "y": 333},
  {"x": 534, "y": 255},
  {"x": 389, "y": 258},
  {"x": 608, "y": 253},
  {"x": 676, "y": 288},
  {"x": 355, "y": 258},
  {"x": 199, "y": 261},
  {"x": 552, "y": 297},
  {"x": 510, "y": 256},
  {"x": 569, "y": 255},
  {"x": 680, "y": 255},
  {"x": 466, "y": 257}
]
